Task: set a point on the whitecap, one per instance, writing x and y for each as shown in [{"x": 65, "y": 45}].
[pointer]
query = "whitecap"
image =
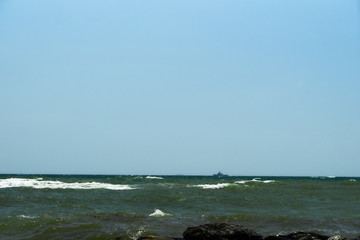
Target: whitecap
[
  {"x": 241, "y": 182},
  {"x": 331, "y": 176},
  {"x": 153, "y": 177},
  {"x": 25, "y": 216},
  {"x": 258, "y": 180},
  {"x": 352, "y": 180},
  {"x": 213, "y": 186},
  {"x": 159, "y": 213},
  {"x": 268, "y": 181},
  {"x": 40, "y": 184}
]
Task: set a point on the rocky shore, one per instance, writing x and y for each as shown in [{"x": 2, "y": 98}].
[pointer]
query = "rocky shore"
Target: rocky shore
[{"x": 224, "y": 231}]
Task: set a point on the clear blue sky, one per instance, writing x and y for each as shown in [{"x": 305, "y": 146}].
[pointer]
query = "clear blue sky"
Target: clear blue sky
[{"x": 253, "y": 87}]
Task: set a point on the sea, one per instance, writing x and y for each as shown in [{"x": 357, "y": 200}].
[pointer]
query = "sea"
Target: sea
[{"x": 126, "y": 207}]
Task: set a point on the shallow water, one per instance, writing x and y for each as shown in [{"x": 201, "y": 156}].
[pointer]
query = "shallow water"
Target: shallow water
[{"x": 106, "y": 207}]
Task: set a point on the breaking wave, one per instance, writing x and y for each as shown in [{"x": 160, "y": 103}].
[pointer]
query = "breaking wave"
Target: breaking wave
[
  {"x": 153, "y": 177},
  {"x": 257, "y": 180},
  {"x": 159, "y": 213},
  {"x": 25, "y": 216},
  {"x": 236, "y": 184},
  {"x": 214, "y": 186},
  {"x": 40, "y": 184}
]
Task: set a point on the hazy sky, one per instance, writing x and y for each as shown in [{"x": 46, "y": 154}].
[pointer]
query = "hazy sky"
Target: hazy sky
[{"x": 252, "y": 87}]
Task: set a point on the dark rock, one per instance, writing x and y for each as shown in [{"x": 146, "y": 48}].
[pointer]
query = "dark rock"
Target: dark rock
[
  {"x": 220, "y": 231},
  {"x": 299, "y": 236},
  {"x": 146, "y": 237}
]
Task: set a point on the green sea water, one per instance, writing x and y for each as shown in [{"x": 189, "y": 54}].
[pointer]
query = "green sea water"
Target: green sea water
[{"x": 110, "y": 207}]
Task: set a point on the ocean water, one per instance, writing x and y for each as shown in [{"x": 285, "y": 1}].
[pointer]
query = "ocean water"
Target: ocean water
[{"x": 109, "y": 207}]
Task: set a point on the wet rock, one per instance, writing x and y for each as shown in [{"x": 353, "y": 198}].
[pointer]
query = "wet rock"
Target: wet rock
[
  {"x": 299, "y": 236},
  {"x": 148, "y": 237},
  {"x": 220, "y": 231}
]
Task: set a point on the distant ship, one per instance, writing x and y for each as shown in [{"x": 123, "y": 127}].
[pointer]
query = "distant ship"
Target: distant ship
[{"x": 220, "y": 174}]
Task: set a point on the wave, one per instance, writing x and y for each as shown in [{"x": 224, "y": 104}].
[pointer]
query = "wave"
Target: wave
[
  {"x": 257, "y": 180},
  {"x": 153, "y": 177},
  {"x": 25, "y": 216},
  {"x": 214, "y": 186},
  {"x": 232, "y": 185},
  {"x": 159, "y": 213},
  {"x": 40, "y": 184}
]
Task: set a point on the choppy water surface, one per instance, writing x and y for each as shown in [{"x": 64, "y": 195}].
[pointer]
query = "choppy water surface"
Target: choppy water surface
[{"x": 107, "y": 207}]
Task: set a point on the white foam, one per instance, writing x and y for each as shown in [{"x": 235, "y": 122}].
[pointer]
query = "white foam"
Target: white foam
[
  {"x": 153, "y": 177},
  {"x": 138, "y": 234},
  {"x": 268, "y": 181},
  {"x": 352, "y": 180},
  {"x": 213, "y": 186},
  {"x": 331, "y": 176},
  {"x": 241, "y": 182},
  {"x": 159, "y": 213},
  {"x": 40, "y": 184},
  {"x": 254, "y": 180},
  {"x": 24, "y": 216}
]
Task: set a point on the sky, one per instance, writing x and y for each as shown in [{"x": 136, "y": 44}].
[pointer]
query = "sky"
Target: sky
[{"x": 252, "y": 87}]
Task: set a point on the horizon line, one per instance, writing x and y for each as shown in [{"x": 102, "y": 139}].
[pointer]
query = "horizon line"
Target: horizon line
[{"x": 176, "y": 175}]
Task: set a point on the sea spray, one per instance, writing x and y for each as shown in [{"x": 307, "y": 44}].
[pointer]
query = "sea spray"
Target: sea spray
[{"x": 159, "y": 213}]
